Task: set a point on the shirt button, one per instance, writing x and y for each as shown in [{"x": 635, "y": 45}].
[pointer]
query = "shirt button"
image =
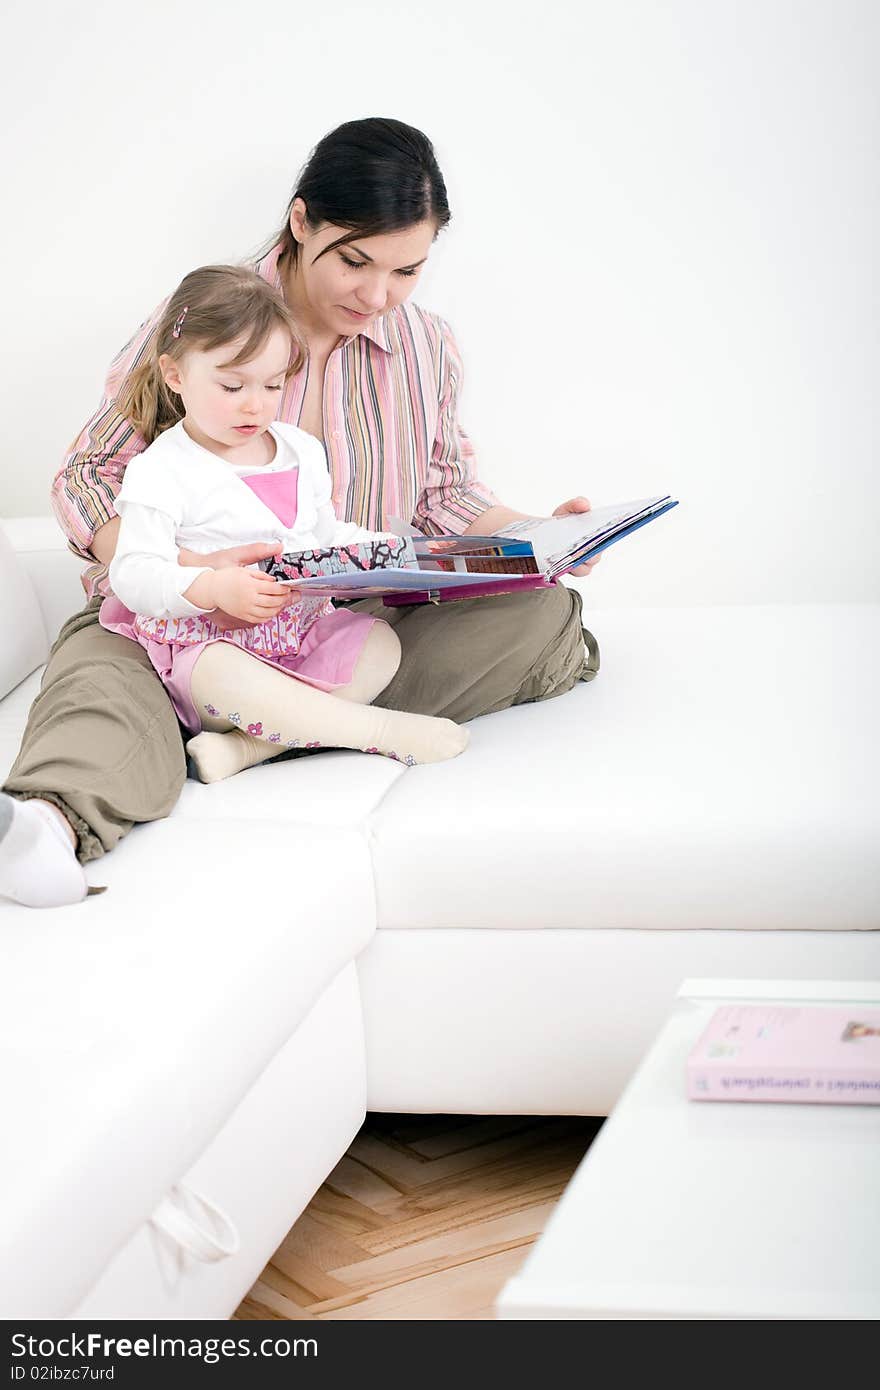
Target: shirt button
[{"x": 335, "y": 434}]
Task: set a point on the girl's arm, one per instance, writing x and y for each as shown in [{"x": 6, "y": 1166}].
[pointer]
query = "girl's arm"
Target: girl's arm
[
  {"x": 105, "y": 540},
  {"x": 145, "y": 572},
  {"x": 146, "y": 576}
]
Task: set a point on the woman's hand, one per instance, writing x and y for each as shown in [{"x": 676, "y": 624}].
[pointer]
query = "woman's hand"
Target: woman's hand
[
  {"x": 236, "y": 555},
  {"x": 571, "y": 508}
]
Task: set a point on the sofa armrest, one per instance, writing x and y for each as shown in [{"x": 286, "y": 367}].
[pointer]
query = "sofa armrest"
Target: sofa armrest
[{"x": 52, "y": 568}]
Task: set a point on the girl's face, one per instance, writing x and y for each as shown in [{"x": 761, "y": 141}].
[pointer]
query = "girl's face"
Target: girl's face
[
  {"x": 352, "y": 286},
  {"x": 227, "y": 406}
]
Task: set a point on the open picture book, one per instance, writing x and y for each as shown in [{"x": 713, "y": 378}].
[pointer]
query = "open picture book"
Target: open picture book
[{"x": 414, "y": 568}]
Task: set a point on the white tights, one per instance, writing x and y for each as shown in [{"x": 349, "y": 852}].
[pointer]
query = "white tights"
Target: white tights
[{"x": 251, "y": 711}]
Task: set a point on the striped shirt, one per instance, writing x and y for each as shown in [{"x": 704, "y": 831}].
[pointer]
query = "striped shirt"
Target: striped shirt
[{"x": 394, "y": 446}]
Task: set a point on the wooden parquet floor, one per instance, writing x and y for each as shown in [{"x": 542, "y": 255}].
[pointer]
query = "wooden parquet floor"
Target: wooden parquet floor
[{"x": 425, "y": 1217}]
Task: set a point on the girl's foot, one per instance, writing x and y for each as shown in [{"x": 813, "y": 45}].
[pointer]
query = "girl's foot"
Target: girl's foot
[
  {"x": 218, "y": 756},
  {"x": 409, "y": 738},
  {"x": 416, "y": 738},
  {"x": 38, "y": 863}
]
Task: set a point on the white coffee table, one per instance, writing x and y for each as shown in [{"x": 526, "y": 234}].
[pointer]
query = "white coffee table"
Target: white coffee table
[{"x": 710, "y": 1209}]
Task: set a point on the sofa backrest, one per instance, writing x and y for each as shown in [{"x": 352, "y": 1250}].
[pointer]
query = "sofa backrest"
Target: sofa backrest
[{"x": 25, "y": 644}]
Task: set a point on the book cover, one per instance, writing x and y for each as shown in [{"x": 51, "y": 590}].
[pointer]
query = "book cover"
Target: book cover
[
  {"x": 788, "y": 1052},
  {"x": 471, "y": 586}
]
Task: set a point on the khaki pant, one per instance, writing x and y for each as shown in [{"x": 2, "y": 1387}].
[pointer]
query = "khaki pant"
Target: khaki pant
[{"x": 102, "y": 740}]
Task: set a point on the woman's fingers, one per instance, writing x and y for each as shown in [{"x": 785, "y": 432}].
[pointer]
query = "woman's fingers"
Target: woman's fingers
[
  {"x": 573, "y": 506},
  {"x": 237, "y": 555},
  {"x": 581, "y": 571}
]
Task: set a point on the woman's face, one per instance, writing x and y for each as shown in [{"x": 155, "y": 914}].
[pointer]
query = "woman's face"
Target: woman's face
[{"x": 354, "y": 284}]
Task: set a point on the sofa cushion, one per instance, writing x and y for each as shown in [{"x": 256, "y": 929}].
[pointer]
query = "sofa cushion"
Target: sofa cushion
[
  {"x": 336, "y": 788},
  {"x": 24, "y": 646},
  {"x": 53, "y": 569},
  {"x": 721, "y": 771},
  {"x": 132, "y": 1024}
]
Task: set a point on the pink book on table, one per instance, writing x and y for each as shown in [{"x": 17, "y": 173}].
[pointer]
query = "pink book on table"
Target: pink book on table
[{"x": 788, "y": 1052}]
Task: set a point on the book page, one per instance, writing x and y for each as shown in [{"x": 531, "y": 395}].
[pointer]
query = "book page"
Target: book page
[{"x": 556, "y": 538}]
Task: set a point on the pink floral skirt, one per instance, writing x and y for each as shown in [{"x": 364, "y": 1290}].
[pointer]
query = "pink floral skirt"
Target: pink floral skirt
[{"x": 310, "y": 641}]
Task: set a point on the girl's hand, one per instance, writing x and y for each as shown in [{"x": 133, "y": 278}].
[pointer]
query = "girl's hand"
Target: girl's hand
[
  {"x": 237, "y": 555},
  {"x": 246, "y": 595},
  {"x": 571, "y": 508},
  {"x": 227, "y": 623}
]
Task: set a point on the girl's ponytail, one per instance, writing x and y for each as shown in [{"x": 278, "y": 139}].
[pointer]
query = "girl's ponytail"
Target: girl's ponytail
[
  {"x": 212, "y": 306},
  {"x": 145, "y": 400}
]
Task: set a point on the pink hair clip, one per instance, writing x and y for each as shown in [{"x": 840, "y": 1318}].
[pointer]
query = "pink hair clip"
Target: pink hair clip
[{"x": 178, "y": 322}]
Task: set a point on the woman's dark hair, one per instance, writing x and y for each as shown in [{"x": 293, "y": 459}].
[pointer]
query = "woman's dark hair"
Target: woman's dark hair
[{"x": 371, "y": 176}]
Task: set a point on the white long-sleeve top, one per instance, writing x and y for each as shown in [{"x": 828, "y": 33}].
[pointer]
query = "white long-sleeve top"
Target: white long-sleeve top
[{"x": 178, "y": 495}]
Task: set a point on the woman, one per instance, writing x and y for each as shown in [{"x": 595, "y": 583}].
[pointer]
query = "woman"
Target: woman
[{"x": 102, "y": 750}]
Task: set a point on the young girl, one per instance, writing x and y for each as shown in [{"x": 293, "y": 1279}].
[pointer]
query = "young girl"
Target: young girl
[{"x": 221, "y": 472}]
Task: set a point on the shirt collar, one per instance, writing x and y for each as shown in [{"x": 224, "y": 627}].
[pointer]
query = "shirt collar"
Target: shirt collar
[{"x": 377, "y": 331}]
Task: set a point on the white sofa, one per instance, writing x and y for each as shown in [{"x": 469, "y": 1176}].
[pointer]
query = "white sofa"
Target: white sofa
[{"x": 186, "y": 1057}]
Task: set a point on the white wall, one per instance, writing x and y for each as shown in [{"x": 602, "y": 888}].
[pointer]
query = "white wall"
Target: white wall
[{"x": 661, "y": 267}]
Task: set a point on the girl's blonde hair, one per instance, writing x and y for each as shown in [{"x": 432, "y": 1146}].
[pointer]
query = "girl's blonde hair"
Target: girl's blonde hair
[{"x": 213, "y": 305}]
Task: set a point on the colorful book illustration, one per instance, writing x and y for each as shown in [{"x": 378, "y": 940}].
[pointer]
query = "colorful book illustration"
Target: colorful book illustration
[
  {"x": 360, "y": 557},
  {"x": 788, "y": 1052},
  {"x": 527, "y": 554}
]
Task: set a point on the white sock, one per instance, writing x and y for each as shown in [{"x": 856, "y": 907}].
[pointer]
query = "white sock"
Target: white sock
[{"x": 38, "y": 864}]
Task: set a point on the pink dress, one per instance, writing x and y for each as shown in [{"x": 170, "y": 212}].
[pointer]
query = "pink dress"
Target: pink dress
[{"x": 311, "y": 641}]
